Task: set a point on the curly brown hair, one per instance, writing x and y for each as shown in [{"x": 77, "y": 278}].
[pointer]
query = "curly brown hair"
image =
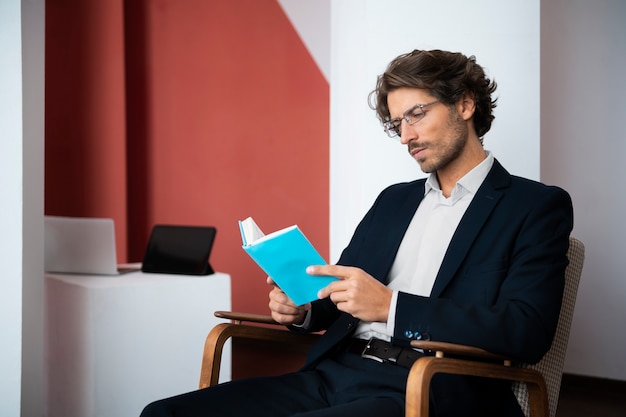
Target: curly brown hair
[{"x": 446, "y": 75}]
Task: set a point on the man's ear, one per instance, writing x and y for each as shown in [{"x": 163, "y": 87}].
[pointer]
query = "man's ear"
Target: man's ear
[{"x": 466, "y": 106}]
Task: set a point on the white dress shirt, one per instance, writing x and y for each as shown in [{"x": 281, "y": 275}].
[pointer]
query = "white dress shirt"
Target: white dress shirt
[{"x": 425, "y": 243}]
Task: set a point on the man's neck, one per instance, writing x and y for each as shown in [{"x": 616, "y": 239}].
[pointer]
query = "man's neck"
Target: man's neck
[{"x": 454, "y": 171}]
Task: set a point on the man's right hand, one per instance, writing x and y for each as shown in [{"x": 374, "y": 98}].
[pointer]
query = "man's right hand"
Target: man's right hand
[{"x": 282, "y": 309}]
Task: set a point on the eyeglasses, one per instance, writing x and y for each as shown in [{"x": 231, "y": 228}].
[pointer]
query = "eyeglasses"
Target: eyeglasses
[{"x": 413, "y": 115}]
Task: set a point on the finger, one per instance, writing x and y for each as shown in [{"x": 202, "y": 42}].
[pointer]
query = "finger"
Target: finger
[
  {"x": 341, "y": 303},
  {"x": 332, "y": 288},
  {"x": 271, "y": 282},
  {"x": 284, "y": 309},
  {"x": 280, "y": 297},
  {"x": 283, "y": 312},
  {"x": 339, "y": 271},
  {"x": 324, "y": 292}
]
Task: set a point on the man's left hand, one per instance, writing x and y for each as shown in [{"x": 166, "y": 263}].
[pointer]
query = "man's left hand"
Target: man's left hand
[{"x": 356, "y": 292}]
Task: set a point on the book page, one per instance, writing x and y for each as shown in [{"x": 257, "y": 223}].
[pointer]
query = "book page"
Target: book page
[{"x": 250, "y": 232}]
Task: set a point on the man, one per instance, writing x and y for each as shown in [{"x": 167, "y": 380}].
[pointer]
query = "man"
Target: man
[{"x": 470, "y": 255}]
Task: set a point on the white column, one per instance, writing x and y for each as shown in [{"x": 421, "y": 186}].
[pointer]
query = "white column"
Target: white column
[
  {"x": 367, "y": 34},
  {"x": 11, "y": 217}
]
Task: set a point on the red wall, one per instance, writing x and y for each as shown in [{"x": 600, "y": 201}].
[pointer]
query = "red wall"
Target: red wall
[
  {"x": 186, "y": 112},
  {"x": 85, "y": 119},
  {"x": 229, "y": 119}
]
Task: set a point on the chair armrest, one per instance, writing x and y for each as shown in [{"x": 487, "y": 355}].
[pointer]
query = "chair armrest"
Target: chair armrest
[
  {"x": 248, "y": 317},
  {"x": 213, "y": 346},
  {"x": 422, "y": 371},
  {"x": 442, "y": 348}
]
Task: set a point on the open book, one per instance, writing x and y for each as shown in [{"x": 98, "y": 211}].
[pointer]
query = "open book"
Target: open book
[{"x": 284, "y": 255}]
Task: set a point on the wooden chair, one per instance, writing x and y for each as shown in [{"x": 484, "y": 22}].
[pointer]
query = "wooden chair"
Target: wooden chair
[{"x": 535, "y": 386}]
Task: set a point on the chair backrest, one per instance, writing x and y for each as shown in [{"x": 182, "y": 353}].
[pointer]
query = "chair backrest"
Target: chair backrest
[{"x": 551, "y": 365}]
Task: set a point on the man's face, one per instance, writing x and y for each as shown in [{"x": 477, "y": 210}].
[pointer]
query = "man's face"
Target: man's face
[{"x": 440, "y": 135}]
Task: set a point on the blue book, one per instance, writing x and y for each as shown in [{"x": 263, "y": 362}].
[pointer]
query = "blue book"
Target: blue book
[{"x": 284, "y": 255}]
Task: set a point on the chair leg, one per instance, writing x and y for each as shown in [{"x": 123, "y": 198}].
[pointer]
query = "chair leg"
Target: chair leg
[
  {"x": 212, "y": 356},
  {"x": 418, "y": 387}
]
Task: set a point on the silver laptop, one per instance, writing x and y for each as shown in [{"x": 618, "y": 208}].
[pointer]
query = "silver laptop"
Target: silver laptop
[{"x": 80, "y": 245}]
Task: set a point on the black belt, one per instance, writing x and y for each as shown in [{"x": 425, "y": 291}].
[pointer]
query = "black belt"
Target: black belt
[{"x": 384, "y": 352}]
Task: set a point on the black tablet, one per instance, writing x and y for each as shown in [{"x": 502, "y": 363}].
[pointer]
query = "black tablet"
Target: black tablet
[{"x": 174, "y": 249}]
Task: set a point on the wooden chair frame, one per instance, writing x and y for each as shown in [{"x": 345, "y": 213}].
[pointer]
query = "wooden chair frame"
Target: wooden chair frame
[
  {"x": 213, "y": 346},
  {"x": 422, "y": 371},
  {"x": 420, "y": 374}
]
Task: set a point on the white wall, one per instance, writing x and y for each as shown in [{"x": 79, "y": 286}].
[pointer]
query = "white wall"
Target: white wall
[
  {"x": 21, "y": 187},
  {"x": 367, "y": 34},
  {"x": 11, "y": 218},
  {"x": 583, "y": 146},
  {"x": 311, "y": 19},
  {"x": 33, "y": 60}
]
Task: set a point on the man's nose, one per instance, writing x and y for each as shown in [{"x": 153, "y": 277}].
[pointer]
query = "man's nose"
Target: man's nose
[{"x": 407, "y": 132}]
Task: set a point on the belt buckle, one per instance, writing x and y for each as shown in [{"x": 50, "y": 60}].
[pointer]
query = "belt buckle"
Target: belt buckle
[{"x": 380, "y": 351}]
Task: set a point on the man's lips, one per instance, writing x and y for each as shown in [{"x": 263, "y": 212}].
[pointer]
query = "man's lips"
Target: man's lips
[{"x": 416, "y": 150}]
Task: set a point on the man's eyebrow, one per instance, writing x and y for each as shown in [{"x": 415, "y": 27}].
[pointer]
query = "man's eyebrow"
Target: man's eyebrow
[
  {"x": 412, "y": 109},
  {"x": 395, "y": 119}
]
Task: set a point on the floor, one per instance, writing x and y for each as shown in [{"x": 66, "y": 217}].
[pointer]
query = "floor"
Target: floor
[{"x": 591, "y": 397}]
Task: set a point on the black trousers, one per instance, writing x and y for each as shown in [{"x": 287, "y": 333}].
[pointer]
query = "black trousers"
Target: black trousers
[{"x": 345, "y": 386}]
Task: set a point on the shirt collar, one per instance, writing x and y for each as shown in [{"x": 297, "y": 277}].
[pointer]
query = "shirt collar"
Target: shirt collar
[{"x": 470, "y": 182}]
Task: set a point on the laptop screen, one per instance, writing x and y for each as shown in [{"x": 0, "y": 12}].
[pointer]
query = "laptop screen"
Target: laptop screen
[{"x": 77, "y": 245}]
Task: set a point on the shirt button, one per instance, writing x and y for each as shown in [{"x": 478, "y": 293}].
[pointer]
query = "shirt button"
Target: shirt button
[
  {"x": 417, "y": 336},
  {"x": 408, "y": 334}
]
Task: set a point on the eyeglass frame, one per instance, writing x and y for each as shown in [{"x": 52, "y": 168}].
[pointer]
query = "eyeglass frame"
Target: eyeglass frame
[{"x": 392, "y": 130}]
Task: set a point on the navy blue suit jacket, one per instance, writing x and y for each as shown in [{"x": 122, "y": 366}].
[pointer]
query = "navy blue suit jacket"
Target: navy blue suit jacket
[{"x": 500, "y": 283}]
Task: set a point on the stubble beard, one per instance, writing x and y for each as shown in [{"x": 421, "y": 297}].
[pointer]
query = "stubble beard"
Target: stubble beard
[{"x": 449, "y": 149}]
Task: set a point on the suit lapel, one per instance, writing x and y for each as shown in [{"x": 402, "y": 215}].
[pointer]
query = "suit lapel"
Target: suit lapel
[
  {"x": 479, "y": 210},
  {"x": 396, "y": 229}
]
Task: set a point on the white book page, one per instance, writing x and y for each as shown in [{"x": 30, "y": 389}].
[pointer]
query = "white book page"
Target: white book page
[
  {"x": 251, "y": 231},
  {"x": 276, "y": 233}
]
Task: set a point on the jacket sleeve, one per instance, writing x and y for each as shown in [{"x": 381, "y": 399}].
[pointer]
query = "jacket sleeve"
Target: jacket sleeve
[{"x": 506, "y": 295}]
